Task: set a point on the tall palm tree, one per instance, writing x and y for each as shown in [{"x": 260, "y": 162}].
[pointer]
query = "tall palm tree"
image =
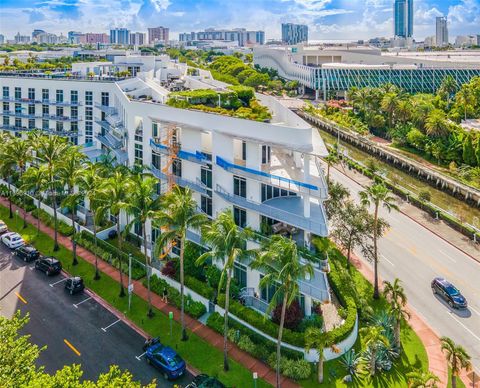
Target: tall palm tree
[
  {"x": 373, "y": 338},
  {"x": 7, "y": 169},
  {"x": 142, "y": 206},
  {"x": 51, "y": 151},
  {"x": 422, "y": 379},
  {"x": 115, "y": 191},
  {"x": 317, "y": 339},
  {"x": 280, "y": 262},
  {"x": 436, "y": 123},
  {"x": 465, "y": 98},
  {"x": 457, "y": 358},
  {"x": 227, "y": 243},
  {"x": 18, "y": 152},
  {"x": 68, "y": 172},
  {"x": 331, "y": 159},
  {"x": 178, "y": 214},
  {"x": 390, "y": 104},
  {"x": 35, "y": 180},
  {"x": 395, "y": 295},
  {"x": 378, "y": 195}
]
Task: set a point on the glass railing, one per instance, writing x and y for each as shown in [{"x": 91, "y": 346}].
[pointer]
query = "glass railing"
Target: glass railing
[
  {"x": 197, "y": 157},
  {"x": 197, "y": 186}
]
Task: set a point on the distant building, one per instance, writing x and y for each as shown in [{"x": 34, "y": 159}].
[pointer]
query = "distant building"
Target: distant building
[
  {"x": 120, "y": 36},
  {"x": 441, "y": 36},
  {"x": 239, "y": 35},
  {"x": 21, "y": 39},
  {"x": 138, "y": 38},
  {"x": 403, "y": 18},
  {"x": 47, "y": 38},
  {"x": 158, "y": 35},
  {"x": 2, "y": 39},
  {"x": 294, "y": 33},
  {"x": 35, "y": 34},
  {"x": 478, "y": 40},
  {"x": 379, "y": 42},
  {"x": 430, "y": 41},
  {"x": 94, "y": 38},
  {"x": 466, "y": 40},
  {"x": 74, "y": 37}
]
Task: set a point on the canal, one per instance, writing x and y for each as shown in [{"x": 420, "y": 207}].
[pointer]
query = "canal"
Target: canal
[{"x": 460, "y": 209}]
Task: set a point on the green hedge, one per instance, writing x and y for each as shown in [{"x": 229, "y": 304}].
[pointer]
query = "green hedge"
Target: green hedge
[
  {"x": 200, "y": 287},
  {"x": 192, "y": 308},
  {"x": 47, "y": 219},
  {"x": 25, "y": 203}
]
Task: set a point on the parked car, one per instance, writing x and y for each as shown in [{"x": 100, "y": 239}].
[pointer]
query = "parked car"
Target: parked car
[
  {"x": 3, "y": 227},
  {"x": 27, "y": 253},
  {"x": 449, "y": 293},
  {"x": 74, "y": 284},
  {"x": 13, "y": 240},
  {"x": 205, "y": 381},
  {"x": 166, "y": 360},
  {"x": 50, "y": 265}
]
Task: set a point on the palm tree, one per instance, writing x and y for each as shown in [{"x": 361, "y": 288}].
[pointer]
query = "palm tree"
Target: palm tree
[
  {"x": 178, "y": 214},
  {"x": 436, "y": 123},
  {"x": 7, "y": 168},
  {"x": 35, "y": 180},
  {"x": 68, "y": 172},
  {"x": 465, "y": 98},
  {"x": 457, "y": 358},
  {"x": 51, "y": 151},
  {"x": 422, "y": 379},
  {"x": 448, "y": 88},
  {"x": 390, "y": 104},
  {"x": 331, "y": 159},
  {"x": 373, "y": 338},
  {"x": 18, "y": 152},
  {"x": 115, "y": 192},
  {"x": 227, "y": 242},
  {"x": 142, "y": 205},
  {"x": 378, "y": 195},
  {"x": 280, "y": 262},
  {"x": 317, "y": 339}
]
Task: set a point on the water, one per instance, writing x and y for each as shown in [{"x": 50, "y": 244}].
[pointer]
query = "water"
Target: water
[{"x": 464, "y": 212}]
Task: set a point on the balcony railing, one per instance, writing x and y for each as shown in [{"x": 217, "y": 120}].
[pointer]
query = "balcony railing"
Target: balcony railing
[
  {"x": 107, "y": 109},
  {"x": 110, "y": 141},
  {"x": 197, "y": 186},
  {"x": 43, "y": 101},
  {"x": 35, "y": 116},
  {"x": 109, "y": 127},
  {"x": 247, "y": 294},
  {"x": 197, "y": 157}
]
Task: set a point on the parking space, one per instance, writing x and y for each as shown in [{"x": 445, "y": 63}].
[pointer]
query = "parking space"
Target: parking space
[{"x": 75, "y": 328}]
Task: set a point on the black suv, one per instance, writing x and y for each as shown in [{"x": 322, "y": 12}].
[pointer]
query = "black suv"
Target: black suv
[
  {"x": 74, "y": 285},
  {"x": 449, "y": 293},
  {"x": 50, "y": 265},
  {"x": 27, "y": 253}
]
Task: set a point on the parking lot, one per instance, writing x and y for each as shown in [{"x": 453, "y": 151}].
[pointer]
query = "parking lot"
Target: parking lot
[{"x": 75, "y": 328}]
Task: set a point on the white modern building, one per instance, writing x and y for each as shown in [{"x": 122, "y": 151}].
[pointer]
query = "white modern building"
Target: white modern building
[
  {"x": 239, "y": 35},
  {"x": 441, "y": 27},
  {"x": 294, "y": 33},
  {"x": 268, "y": 173}
]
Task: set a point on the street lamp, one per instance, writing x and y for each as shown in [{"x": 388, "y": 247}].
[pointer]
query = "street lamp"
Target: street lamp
[{"x": 255, "y": 377}]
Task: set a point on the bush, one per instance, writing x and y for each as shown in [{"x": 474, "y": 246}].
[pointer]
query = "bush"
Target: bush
[
  {"x": 25, "y": 202},
  {"x": 48, "y": 220},
  {"x": 295, "y": 369},
  {"x": 246, "y": 344},
  {"x": 199, "y": 287},
  {"x": 293, "y": 315},
  {"x": 169, "y": 269},
  {"x": 313, "y": 320}
]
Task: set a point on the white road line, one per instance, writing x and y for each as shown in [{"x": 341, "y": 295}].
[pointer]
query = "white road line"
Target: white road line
[
  {"x": 393, "y": 265},
  {"x": 471, "y": 308},
  {"x": 140, "y": 356},
  {"x": 79, "y": 303},
  {"x": 465, "y": 327},
  {"x": 447, "y": 256},
  {"x": 32, "y": 268},
  {"x": 105, "y": 328},
  {"x": 52, "y": 284}
]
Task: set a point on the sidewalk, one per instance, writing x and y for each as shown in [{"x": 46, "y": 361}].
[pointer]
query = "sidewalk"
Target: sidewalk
[{"x": 264, "y": 371}]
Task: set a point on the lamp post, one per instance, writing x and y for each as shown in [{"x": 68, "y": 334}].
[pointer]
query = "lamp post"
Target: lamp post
[
  {"x": 130, "y": 285},
  {"x": 255, "y": 377}
]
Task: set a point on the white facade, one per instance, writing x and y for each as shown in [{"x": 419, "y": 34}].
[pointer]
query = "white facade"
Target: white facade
[{"x": 441, "y": 37}]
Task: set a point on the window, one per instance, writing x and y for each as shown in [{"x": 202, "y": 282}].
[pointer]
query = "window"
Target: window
[
  {"x": 155, "y": 131},
  {"x": 206, "y": 176},
  {"x": 267, "y": 293},
  {"x": 105, "y": 99},
  {"x": 59, "y": 111},
  {"x": 89, "y": 113},
  {"x": 240, "y": 274},
  {"x": 18, "y": 122},
  {"x": 269, "y": 192},
  {"x": 31, "y": 109},
  {"x": 88, "y": 132},
  {"x": 138, "y": 153},
  {"x": 45, "y": 95},
  {"x": 155, "y": 234},
  {"x": 74, "y": 112},
  {"x": 206, "y": 205},
  {"x": 266, "y": 151},
  {"x": 18, "y": 93},
  {"x": 244, "y": 150},
  {"x": 45, "y": 125},
  {"x": 6, "y": 121},
  {"x": 18, "y": 108},
  {"x": 74, "y": 96},
  {"x": 240, "y": 186},
  {"x": 31, "y": 93},
  {"x": 74, "y": 126},
  {"x": 156, "y": 160},
  {"x": 137, "y": 228},
  {"x": 88, "y": 98},
  {"x": 6, "y": 92},
  {"x": 6, "y": 106},
  {"x": 59, "y": 126},
  {"x": 31, "y": 123},
  {"x": 177, "y": 167},
  {"x": 139, "y": 138},
  {"x": 59, "y": 95},
  {"x": 45, "y": 110},
  {"x": 240, "y": 216}
]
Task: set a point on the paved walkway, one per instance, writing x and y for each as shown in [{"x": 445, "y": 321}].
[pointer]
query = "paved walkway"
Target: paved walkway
[{"x": 264, "y": 371}]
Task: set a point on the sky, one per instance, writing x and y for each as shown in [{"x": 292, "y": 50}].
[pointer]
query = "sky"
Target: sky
[{"x": 326, "y": 19}]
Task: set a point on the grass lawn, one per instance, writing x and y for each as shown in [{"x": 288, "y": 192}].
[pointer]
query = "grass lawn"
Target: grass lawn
[
  {"x": 197, "y": 352},
  {"x": 459, "y": 381}
]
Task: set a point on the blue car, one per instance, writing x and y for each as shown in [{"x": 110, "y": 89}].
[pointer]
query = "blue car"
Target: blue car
[{"x": 166, "y": 360}]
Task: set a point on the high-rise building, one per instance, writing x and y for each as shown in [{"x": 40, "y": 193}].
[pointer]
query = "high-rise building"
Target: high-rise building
[
  {"x": 95, "y": 37},
  {"x": 2, "y": 39},
  {"x": 442, "y": 31},
  {"x": 403, "y": 18},
  {"x": 138, "y": 38},
  {"x": 239, "y": 35},
  {"x": 74, "y": 37},
  {"x": 158, "y": 35},
  {"x": 120, "y": 36},
  {"x": 21, "y": 39},
  {"x": 294, "y": 33},
  {"x": 35, "y": 34}
]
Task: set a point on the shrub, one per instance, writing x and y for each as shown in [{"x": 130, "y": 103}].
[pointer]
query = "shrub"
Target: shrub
[
  {"x": 295, "y": 369},
  {"x": 48, "y": 220},
  {"x": 313, "y": 320},
  {"x": 246, "y": 344},
  {"x": 199, "y": 287},
  {"x": 293, "y": 315},
  {"x": 169, "y": 269}
]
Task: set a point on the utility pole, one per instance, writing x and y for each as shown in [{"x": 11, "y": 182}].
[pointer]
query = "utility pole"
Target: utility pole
[{"x": 130, "y": 285}]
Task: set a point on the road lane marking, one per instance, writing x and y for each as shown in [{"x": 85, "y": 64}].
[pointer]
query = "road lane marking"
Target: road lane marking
[
  {"x": 21, "y": 297},
  {"x": 52, "y": 284},
  {"x": 476, "y": 312},
  {"x": 79, "y": 303},
  {"x": 72, "y": 347},
  {"x": 105, "y": 328},
  {"x": 393, "y": 265},
  {"x": 140, "y": 356},
  {"x": 447, "y": 256},
  {"x": 465, "y": 327}
]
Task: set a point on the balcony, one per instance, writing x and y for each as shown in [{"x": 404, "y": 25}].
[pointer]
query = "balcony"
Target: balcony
[
  {"x": 20, "y": 100},
  {"x": 13, "y": 128},
  {"x": 110, "y": 141},
  {"x": 197, "y": 157},
  {"x": 197, "y": 186},
  {"x": 61, "y": 103},
  {"x": 284, "y": 209},
  {"x": 43, "y": 117},
  {"x": 110, "y": 110},
  {"x": 109, "y": 127}
]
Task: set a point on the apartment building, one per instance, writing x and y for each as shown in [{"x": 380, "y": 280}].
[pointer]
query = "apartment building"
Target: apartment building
[
  {"x": 158, "y": 35},
  {"x": 268, "y": 173},
  {"x": 239, "y": 35}
]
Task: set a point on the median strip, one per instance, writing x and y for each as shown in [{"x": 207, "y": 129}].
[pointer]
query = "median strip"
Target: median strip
[
  {"x": 72, "y": 347},
  {"x": 21, "y": 297}
]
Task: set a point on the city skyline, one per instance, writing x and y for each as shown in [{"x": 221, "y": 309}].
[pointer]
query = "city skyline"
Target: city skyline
[{"x": 326, "y": 19}]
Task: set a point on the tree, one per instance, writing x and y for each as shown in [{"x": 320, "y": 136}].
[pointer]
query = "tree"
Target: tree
[
  {"x": 468, "y": 154},
  {"x": 379, "y": 196},
  {"x": 280, "y": 262},
  {"x": 448, "y": 88},
  {"x": 390, "y": 104},
  {"x": 373, "y": 338},
  {"x": 115, "y": 192},
  {"x": 337, "y": 195},
  {"x": 51, "y": 151},
  {"x": 422, "y": 379},
  {"x": 227, "y": 243},
  {"x": 436, "y": 123},
  {"x": 35, "y": 180},
  {"x": 457, "y": 358},
  {"x": 178, "y": 214},
  {"x": 331, "y": 159},
  {"x": 142, "y": 206},
  {"x": 7, "y": 169},
  {"x": 317, "y": 339},
  {"x": 395, "y": 295},
  {"x": 465, "y": 98}
]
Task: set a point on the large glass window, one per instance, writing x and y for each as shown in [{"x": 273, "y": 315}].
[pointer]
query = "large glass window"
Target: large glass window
[
  {"x": 31, "y": 123},
  {"x": 31, "y": 93},
  {"x": 155, "y": 131},
  {"x": 105, "y": 99},
  {"x": 156, "y": 160},
  {"x": 59, "y": 126},
  {"x": 240, "y": 186},
  {"x": 18, "y": 108},
  {"x": 45, "y": 125},
  {"x": 18, "y": 122},
  {"x": 206, "y": 176},
  {"x": 74, "y": 112},
  {"x": 89, "y": 113},
  {"x": 244, "y": 150},
  {"x": 138, "y": 153},
  {"x": 269, "y": 192},
  {"x": 59, "y": 111},
  {"x": 266, "y": 151},
  {"x": 18, "y": 93},
  {"x": 6, "y": 92},
  {"x": 88, "y": 98},
  {"x": 240, "y": 216},
  {"x": 206, "y": 205},
  {"x": 31, "y": 109},
  {"x": 59, "y": 95},
  {"x": 240, "y": 274},
  {"x": 74, "y": 96},
  {"x": 88, "y": 132},
  {"x": 45, "y": 110},
  {"x": 6, "y": 106},
  {"x": 6, "y": 121},
  {"x": 45, "y": 95},
  {"x": 177, "y": 167}
]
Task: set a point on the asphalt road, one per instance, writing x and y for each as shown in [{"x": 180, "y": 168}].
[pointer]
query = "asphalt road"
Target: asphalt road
[
  {"x": 415, "y": 255},
  {"x": 99, "y": 337}
]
